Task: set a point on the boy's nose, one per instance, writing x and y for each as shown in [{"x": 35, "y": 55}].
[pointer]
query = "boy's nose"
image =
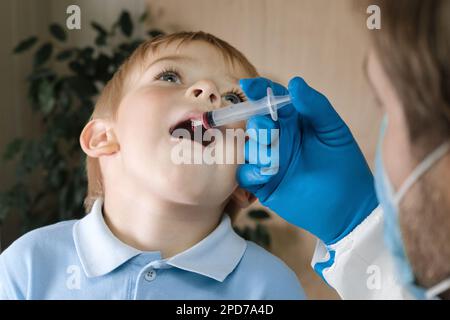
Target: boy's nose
[{"x": 206, "y": 91}]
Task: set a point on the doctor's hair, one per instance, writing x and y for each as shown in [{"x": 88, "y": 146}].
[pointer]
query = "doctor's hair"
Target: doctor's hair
[
  {"x": 129, "y": 73},
  {"x": 413, "y": 46}
]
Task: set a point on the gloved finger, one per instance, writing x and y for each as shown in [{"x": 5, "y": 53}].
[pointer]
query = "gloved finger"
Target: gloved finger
[
  {"x": 256, "y": 88},
  {"x": 260, "y": 128},
  {"x": 314, "y": 106},
  {"x": 259, "y": 154},
  {"x": 250, "y": 177}
]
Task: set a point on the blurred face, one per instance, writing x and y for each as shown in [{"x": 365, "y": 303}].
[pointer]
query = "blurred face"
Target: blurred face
[
  {"x": 396, "y": 147},
  {"x": 423, "y": 216},
  {"x": 179, "y": 85}
]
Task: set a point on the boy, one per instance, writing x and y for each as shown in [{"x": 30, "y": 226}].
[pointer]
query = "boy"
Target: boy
[{"x": 156, "y": 229}]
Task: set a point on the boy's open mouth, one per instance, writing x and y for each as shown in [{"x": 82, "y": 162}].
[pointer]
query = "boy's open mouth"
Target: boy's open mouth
[{"x": 193, "y": 130}]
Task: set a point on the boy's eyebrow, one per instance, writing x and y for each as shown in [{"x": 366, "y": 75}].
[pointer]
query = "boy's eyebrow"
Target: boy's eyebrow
[{"x": 174, "y": 58}]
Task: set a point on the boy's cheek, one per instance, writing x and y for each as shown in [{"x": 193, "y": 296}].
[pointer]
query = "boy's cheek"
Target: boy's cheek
[{"x": 143, "y": 120}]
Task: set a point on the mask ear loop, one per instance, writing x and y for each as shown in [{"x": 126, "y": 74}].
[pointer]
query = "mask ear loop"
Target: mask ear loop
[
  {"x": 437, "y": 289},
  {"x": 423, "y": 167}
]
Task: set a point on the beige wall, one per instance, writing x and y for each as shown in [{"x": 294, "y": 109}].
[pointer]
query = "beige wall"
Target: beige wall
[
  {"x": 321, "y": 40},
  {"x": 18, "y": 20}
]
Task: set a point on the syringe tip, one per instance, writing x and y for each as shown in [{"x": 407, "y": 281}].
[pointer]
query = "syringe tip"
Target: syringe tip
[
  {"x": 207, "y": 120},
  {"x": 196, "y": 122}
]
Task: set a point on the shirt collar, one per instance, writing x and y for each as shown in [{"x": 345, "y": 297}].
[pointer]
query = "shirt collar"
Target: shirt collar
[{"x": 216, "y": 256}]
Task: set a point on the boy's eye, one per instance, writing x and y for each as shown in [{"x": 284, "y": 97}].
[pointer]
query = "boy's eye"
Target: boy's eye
[
  {"x": 233, "y": 97},
  {"x": 169, "y": 76}
]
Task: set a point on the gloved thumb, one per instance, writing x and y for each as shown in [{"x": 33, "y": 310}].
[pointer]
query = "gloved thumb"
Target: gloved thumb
[{"x": 251, "y": 178}]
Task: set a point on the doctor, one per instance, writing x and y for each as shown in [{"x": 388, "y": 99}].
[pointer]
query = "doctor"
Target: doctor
[{"x": 388, "y": 236}]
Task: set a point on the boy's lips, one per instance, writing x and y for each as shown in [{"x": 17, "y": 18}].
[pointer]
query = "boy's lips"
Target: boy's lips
[{"x": 185, "y": 122}]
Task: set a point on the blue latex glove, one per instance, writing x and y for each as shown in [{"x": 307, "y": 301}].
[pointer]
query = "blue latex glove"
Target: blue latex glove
[{"x": 323, "y": 184}]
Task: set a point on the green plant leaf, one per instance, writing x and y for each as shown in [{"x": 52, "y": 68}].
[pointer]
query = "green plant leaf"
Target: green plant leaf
[
  {"x": 155, "y": 33},
  {"x": 87, "y": 53},
  {"x": 40, "y": 73},
  {"x": 64, "y": 55},
  {"x": 102, "y": 34},
  {"x": 46, "y": 97},
  {"x": 258, "y": 214},
  {"x": 25, "y": 44},
  {"x": 100, "y": 40},
  {"x": 58, "y": 32},
  {"x": 43, "y": 54},
  {"x": 144, "y": 16},
  {"x": 261, "y": 235},
  {"x": 102, "y": 68},
  {"x": 30, "y": 159},
  {"x": 12, "y": 149},
  {"x": 99, "y": 28},
  {"x": 246, "y": 233},
  {"x": 5, "y": 206},
  {"x": 76, "y": 67},
  {"x": 56, "y": 178},
  {"x": 65, "y": 99},
  {"x": 82, "y": 87},
  {"x": 125, "y": 23}
]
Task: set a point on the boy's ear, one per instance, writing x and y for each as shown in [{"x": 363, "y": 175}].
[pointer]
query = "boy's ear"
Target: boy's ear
[
  {"x": 242, "y": 198},
  {"x": 98, "y": 139}
]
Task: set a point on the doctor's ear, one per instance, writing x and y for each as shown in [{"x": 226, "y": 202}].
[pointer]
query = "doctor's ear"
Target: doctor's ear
[{"x": 98, "y": 139}]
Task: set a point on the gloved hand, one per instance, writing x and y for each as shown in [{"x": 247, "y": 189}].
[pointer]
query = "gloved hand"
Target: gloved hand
[{"x": 323, "y": 184}]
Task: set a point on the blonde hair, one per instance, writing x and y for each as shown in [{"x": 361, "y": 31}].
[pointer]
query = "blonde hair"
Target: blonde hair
[{"x": 111, "y": 96}]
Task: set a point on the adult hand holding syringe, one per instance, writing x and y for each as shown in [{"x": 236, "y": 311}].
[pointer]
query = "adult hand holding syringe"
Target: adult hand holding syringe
[{"x": 323, "y": 184}]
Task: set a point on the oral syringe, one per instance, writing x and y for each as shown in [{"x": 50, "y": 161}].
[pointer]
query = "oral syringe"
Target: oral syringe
[{"x": 243, "y": 111}]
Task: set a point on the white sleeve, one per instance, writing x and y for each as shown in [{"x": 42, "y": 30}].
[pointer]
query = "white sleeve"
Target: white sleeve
[{"x": 360, "y": 266}]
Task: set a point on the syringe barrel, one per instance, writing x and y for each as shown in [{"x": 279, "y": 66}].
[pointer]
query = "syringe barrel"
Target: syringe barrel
[{"x": 234, "y": 113}]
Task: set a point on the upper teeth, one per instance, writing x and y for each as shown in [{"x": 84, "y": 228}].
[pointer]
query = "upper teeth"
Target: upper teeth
[{"x": 196, "y": 122}]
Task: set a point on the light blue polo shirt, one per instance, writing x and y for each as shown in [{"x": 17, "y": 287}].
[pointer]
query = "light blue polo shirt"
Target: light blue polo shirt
[{"x": 82, "y": 259}]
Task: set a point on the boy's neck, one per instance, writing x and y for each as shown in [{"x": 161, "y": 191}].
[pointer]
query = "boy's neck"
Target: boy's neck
[{"x": 150, "y": 224}]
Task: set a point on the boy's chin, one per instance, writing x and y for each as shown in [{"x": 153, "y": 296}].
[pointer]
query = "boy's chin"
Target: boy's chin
[
  {"x": 199, "y": 188},
  {"x": 202, "y": 199}
]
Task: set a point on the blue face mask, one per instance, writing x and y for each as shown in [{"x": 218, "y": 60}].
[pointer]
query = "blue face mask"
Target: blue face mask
[{"x": 389, "y": 201}]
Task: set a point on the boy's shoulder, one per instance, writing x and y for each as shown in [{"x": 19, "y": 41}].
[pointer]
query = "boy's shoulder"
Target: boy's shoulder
[
  {"x": 270, "y": 274},
  {"x": 256, "y": 255},
  {"x": 33, "y": 257},
  {"x": 42, "y": 241}
]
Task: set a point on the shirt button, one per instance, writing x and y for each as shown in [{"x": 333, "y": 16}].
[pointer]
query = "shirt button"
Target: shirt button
[{"x": 150, "y": 275}]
